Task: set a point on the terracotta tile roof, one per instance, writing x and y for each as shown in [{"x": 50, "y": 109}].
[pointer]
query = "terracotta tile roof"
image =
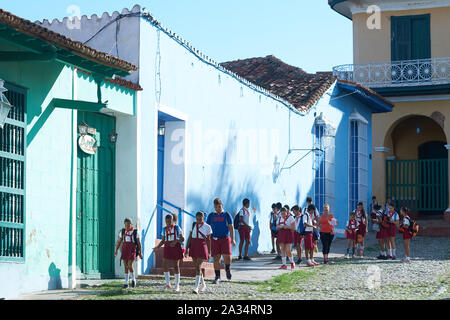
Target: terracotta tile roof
[
  {"x": 294, "y": 85},
  {"x": 118, "y": 81},
  {"x": 76, "y": 47}
]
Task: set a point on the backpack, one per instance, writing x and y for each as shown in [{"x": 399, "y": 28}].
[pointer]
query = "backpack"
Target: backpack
[
  {"x": 301, "y": 226},
  {"x": 237, "y": 221},
  {"x": 133, "y": 239},
  {"x": 413, "y": 227}
]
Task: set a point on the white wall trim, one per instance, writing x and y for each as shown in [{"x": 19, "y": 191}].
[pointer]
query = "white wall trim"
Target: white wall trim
[
  {"x": 447, "y": 146},
  {"x": 382, "y": 149},
  {"x": 419, "y": 98},
  {"x": 173, "y": 112},
  {"x": 398, "y": 5}
]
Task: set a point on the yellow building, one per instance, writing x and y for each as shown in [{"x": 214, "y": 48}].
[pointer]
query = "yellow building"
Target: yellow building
[{"x": 402, "y": 51}]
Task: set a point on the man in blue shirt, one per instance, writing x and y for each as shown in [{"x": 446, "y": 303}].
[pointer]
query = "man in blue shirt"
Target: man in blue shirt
[{"x": 222, "y": 227}]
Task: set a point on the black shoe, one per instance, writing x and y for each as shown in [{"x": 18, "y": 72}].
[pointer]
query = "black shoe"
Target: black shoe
[
  {"x": 239, "y": 258},
  {"x": 126, "y": 286},
  {"x": 247, "y": 258},
  {"x": 216, "y": 281},
  {"x": 277, "y": 258},
  {"x": 229, "y": 275},
  {"x": 273, "y": 251},
  {"x": 133, "y": 283},
  {"x": 299, "y": 261},
  {"x": 380, "y": 257}
]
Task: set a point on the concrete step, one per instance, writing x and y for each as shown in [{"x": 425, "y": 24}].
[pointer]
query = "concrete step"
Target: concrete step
[{"x": 434, "y": 228}]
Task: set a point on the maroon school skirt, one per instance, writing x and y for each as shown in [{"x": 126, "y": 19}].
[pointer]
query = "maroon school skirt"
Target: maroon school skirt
[
  {"x": 199, "y": 249},
  {"x": 361, "y": 230},
  {"x": 173, "y": 253},
  {"x": 407, "y": 235},
  {"x": 285, "y": 236},
  {"x": 128, "y": 251},
  {"x": 392, "y": 231},
  {"x": 350, "y": 235},
  {"x": 382, "y": 234}
]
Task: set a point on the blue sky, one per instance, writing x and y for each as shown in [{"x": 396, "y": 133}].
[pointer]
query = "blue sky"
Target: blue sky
[{"x": 304, "y": 33}]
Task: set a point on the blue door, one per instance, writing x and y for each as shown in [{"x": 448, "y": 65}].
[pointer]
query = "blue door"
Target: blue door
[{"x": 160, "y": 191}]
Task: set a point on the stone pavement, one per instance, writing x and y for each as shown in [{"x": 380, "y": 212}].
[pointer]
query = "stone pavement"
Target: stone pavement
[{"x": 262, "y": 267}]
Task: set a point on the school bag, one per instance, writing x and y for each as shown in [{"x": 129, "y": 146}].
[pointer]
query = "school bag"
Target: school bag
[
  {"x": 301, "y": 226},
  {"x": 237, "y": 221},
  {"x": 133, "y": 239},
  {"x": 413, "y": 227}
]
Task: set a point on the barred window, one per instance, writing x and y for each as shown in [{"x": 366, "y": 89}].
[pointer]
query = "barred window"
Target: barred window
[
  {"x": 324, "y": 174},
  {"x": 12, "y": 178},
  {"x": 358, "y": 168}
]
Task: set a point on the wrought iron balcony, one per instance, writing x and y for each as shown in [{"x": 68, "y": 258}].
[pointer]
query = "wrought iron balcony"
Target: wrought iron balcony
[{"x": 422, "y": 72}]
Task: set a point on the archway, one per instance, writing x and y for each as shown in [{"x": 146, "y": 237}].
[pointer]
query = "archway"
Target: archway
[{"x": 417, "y": 174}]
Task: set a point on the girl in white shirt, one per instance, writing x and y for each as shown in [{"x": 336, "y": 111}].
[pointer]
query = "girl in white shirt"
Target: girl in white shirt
[
  {"x": 199, "y": 248},
  {"x": 286, "y": 227}
]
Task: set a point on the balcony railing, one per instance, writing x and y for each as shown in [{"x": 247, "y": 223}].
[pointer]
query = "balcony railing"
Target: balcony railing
[{"x": 397, "y": 73}]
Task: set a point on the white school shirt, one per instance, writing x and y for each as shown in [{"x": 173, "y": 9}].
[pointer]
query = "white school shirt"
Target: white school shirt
[
  {"x": 316, "y": 213},
  {"x": 297, "y": 221},
  {"x": 244, "y": 213},
  {"x": 288, "y": 222},
  {"x": 308, "y": 220},
  {"x": 205, "y": 229},
  {"x": 356, "y": 225},
  {"x": 394, "y": 217},
  {"x": 172, "y": 233},
  {"x": 128, "y": 235},
  {"x": 406, "y": 221}
]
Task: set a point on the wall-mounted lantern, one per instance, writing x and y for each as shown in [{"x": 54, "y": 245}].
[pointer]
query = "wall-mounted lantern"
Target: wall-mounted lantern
[
  {"x": 113, "y": 137},
  {"x": 83, "y": 128},
  {"x": 5, "y": 106},
  {"x": 162, "y": 130}
]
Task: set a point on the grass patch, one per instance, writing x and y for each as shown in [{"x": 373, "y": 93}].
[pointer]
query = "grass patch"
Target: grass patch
[{"x": 286, "y": 283}]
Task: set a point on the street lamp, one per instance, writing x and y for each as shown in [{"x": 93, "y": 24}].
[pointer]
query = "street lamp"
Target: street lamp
[{"x": 5, "y": 106}]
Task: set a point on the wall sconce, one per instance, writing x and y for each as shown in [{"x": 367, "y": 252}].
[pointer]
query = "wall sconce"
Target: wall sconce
[
  {"x": 5, "y": 106},
  {"x": 162, "y": 130},
  {"x": 113, "y": 137},
  {"x": 418, "y": 130},
  {"x": 83, "y": 128}
]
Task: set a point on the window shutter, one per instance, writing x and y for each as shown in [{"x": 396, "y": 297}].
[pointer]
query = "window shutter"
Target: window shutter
[
  {"x": 401, "y": 38},
  {"x": 420, "y": 41}
]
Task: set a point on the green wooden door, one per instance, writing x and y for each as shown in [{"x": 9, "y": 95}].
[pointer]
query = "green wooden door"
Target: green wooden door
[{"x": 95, "y": 201}]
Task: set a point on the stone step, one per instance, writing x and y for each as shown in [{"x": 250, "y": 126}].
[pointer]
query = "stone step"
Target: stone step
[{"x": 188, "y": 272}]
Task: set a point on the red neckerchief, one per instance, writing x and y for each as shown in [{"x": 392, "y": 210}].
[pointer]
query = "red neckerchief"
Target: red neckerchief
[
  {"x": 170, "y": 229},
  {"x": 246, "y": 210},
  {"x": 352, "y": 223},
  {"x": 126, "y": 232},
  {"x": 198, "y": 230},
  {"x": 285, "y": 219},
  {"x": 391, "y": 214}
]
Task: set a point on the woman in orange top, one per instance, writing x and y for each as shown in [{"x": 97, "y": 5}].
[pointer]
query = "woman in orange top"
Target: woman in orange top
[{"x": 327, "y": 223}]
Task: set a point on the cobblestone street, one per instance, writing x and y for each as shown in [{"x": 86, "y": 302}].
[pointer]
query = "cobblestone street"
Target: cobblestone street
[{"x": 426, "y": 277}]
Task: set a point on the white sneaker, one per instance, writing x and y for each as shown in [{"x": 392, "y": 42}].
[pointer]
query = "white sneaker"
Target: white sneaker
[
  {"x": 196, "y": 290},
  {"x": 177, "y": 289},
  {"x": 203, "y": 288},
  {"x": 168, "y": 287},
  {"x": 347, "y": 256}
]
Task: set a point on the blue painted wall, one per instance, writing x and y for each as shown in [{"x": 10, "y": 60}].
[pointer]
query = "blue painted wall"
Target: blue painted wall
[{"x": 215, "y": 103}]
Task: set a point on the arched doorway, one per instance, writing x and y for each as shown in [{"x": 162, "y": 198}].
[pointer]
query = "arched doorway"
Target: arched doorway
[{"x": 417, "y": 174}]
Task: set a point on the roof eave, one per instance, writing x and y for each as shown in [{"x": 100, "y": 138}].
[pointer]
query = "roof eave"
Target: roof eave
[
  {"x": 339, "y": 6},
  {"x": 375, "y": 102}
]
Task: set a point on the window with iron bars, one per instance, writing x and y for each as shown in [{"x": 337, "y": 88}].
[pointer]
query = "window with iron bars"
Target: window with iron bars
[{"x": 12, "y": 178}]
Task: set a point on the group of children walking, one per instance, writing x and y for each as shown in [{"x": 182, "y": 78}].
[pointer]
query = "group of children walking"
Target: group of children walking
[
  {"x": 213, "y": 236},
  {"x": 305, "y": 227}
]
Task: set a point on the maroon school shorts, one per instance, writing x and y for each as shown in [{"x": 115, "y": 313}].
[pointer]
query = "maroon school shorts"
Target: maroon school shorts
[
  {"x": 244, "y": 232},
  {"x": 221, "y": 246},
  {"x": 298, "y": 238},
  {"x": 308, "y": 239}
]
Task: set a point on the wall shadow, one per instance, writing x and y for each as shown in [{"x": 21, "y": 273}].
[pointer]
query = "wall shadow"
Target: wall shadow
[{"x": 55, "y": 277}]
